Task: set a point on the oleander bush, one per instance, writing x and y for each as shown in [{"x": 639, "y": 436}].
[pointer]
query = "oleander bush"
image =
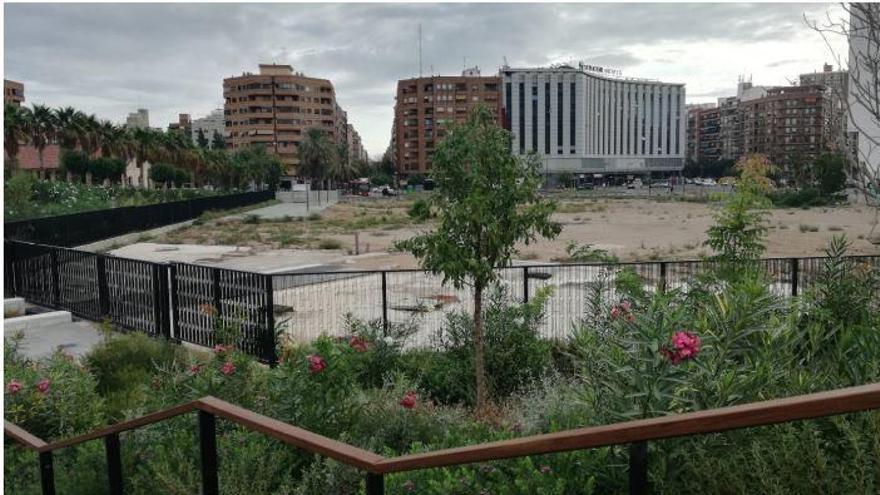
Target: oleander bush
[{"x": 725, "y": 339}]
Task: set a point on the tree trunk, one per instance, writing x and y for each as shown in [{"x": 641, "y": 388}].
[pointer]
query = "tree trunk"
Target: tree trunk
[{"x": 479, "y": 360}]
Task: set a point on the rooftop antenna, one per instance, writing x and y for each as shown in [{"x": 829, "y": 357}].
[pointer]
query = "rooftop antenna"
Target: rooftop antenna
[{"x": 420, "y": 49}]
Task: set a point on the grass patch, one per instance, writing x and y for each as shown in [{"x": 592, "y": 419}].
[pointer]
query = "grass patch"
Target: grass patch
[{"x": 807, "y": 228}]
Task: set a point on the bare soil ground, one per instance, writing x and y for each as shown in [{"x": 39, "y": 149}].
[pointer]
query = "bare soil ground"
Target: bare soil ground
[{"x": 632, "y": 229}]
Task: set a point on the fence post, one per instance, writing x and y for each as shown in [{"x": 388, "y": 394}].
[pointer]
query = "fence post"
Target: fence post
[
  {"x": 159, "y": 294},
  {"x": 56, "y": 279},
  {"x": 375, "y": 484},
  {"x": 208, "y": 447},
  {"x": 662, "y": 276},
  {"x": 384, "y": 300},
  {"x": 9, "y": 264},
  {"x": 172, "y": 280},
  {"x": 270, "y": 352},
  {"x": 114, "y": 463},
  {"x": 638, "y": 468},
  {"x": 525, "y": 284},
  {"x": 103, "y": 290},
  {"x": 795, "y": 274},
  {"x": 47, "y": 473},
  {"x": 215, "y": 274}
]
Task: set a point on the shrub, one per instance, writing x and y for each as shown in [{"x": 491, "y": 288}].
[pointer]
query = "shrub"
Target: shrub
[
  {"x": 586, "y": 253},
  {"x": 329, "y": 244},
  {"x": 420, "y": 210},
  {"x": 124, "y": 366},
  {"x": 251, "y": 219}
]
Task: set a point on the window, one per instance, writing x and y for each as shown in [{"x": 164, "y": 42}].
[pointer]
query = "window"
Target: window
[
  {"x": 571, "y": 107},
  {"x": 547, "y": 118},
  {"x": 508, "y": 104},
  {"x": 559, "y": 115},
  {"x": 522, "y": 118}
]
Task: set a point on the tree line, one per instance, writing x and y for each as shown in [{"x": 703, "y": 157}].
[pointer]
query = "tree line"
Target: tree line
[{"x": 100, "y": 149}]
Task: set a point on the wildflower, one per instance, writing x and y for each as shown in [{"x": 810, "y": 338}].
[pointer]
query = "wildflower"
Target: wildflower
[
  {"x": 409, "y": 400},
  {"x": 316, "y": 364},
  {"x": 409, "y": 486},
  {"x": 358, "y": 344},
  {"x": 228, "y": 368},
  {"x": 43, "y": 385},
  {"x": 546, "y": 469},
  {"x": 13, "y": 387},
  {"x": 219, "y": 349},
  {"x": 195, "y": 369}
]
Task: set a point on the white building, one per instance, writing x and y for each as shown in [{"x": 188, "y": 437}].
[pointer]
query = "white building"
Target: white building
[
  {"x": 215, "y": 122},
  {"x": 864, "y": 51},
  {"x": 589, "y": 120},
  {"x": 138, "y": 120}
]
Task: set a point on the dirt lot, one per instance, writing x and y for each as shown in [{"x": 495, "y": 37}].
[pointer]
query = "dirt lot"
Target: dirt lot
[{"x": 632, "y": 229}]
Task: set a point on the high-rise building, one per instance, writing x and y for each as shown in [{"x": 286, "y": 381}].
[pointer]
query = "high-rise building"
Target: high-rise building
[
  {"x": 214, "y": 123},
  {"x": 13, "y": 92},
  {"x": 275, "y": 108},
  {"x": 139, "y": 119},
  {"x": 425, "y": 108},
  {"x": 356, "y": 149},
  {"x": 837, "y": 84},
  {"x": 695, "y": 113},
  {"x": 863, "y": 124},
  {"x": 787, "y": 125},
  {"x": 589, "y": 120}
]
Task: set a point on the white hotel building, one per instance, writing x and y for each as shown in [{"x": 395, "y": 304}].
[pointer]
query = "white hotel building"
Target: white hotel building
[{"x": 586, "y": 121}]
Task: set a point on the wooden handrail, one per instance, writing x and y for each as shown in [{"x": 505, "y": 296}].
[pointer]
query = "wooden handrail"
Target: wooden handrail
[
  {"x": 847, "y": 400},
  {"x": 842, "y": 401}
]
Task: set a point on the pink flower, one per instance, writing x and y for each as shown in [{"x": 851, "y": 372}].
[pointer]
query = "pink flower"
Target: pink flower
[
  {"x": 623, "y": 309},
  {"x": 316, "y": 364},
  {"x": 546, "y": 469},
  {"x": 228, "y": 368},
  {"x": 14, "y": 386},
  {"x": 195, "y": 369},
  {"x": 358, "y": 344},
  {"x": 43, "y": 385},
  {"x": 615, "y": 312},
  {"x": 409, "y": 400},
  {"x": 220, "y": 348},
  {"x": 685, "y": 345}
]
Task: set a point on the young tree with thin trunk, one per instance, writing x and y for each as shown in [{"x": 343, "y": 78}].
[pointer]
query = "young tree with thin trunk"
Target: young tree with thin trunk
[{"x": 487, "y": 200}]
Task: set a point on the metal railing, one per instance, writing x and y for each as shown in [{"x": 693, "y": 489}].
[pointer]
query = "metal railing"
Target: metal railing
[
  {"x": 90, "y": 226},
  {"x": 636, "y": 434}
]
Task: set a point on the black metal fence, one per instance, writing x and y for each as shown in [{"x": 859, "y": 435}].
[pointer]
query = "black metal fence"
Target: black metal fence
[
  {"x": 82, "y": 228},
  {"x": 179, "y": 301},
  {"x": 196, "y": 303}
]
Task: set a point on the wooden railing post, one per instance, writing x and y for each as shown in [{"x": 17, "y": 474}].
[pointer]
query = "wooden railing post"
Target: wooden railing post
[
  {"x": 47, "y": 473},
  {"x": 114, "y": 463},
  {"x": 375, "y": 484},
  {"x": 638, "y": 468},
  {"x": 208, "y": 442}
]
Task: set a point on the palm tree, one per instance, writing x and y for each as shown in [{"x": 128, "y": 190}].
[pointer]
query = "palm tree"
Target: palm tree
[
  {"x": 316, "y": 155},
  {"x": 41, "y": 131},
  {"x": 343, "y": 167},
  {"x": 15, "y": 133},
  {"x": 145, "y": 147}
]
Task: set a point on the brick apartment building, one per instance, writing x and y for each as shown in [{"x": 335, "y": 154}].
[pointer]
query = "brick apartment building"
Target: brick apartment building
[
  {"x": 182, "y": 126},
  {"x": 788, "y": 125},
  {"x": 13, "y": 92},
  {"x": 427, "y": 105},
  {"x": 276, "y": 107}
]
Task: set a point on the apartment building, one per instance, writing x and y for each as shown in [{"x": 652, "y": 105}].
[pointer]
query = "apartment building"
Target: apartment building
[
  {"x": 590, "y": 120},
  {"x": 425, "y": 108},
  {"x": 694, "y": 125},
  {"x": 182, "y": 126},
  {"x": 215, "y": 122},
  {"x": 275, "y": 108},
  {"x": 139, "y": 119},
  {"x": 13, "y": 92},
  {"x": 356, "y": 149},
  {"x": 787, "y": 125}
]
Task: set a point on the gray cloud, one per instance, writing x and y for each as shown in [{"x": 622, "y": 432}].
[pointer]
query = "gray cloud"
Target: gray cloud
[{"x": 112, "y": 58}]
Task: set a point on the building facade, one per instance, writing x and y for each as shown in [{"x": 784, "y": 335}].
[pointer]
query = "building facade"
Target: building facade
[
  {"x": 836, "y": 83},
  {"x": 183, "y": 125},
  {"x": 275, "y": 108},
  {"x": 139, "y": 119},
  {"x": 356, "y": 151},
  {"x": 863, "y": 124},
  {"x": 215, "y": 122},
  {"x": 583, "y": 121},
  {"x": 787, "y": 125},
  {"x": 425, "y": 108},
  {"x": 13, "y": 92},
  {"x": 695, "y": 113}
]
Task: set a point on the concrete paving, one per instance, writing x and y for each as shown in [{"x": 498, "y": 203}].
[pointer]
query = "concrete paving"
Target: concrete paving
[
  {"x": 76, "y": 338},
  {"x": 282, "y": 210}
]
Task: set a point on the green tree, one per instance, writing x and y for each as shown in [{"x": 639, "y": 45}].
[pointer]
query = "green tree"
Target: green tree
[
  {"x": 15, "y": 132},
  {"x": 105, "y": 167},
  {"x": 829, "y": 170},
  {"x": 41, "y": 131},
  {"x": 487, "y": 201},
  {"x": 75, "y": 162},
  {"x": 316, "y": 155},
  {"x": 201, "y": 140},
  {"x": 218, "y": 142}
]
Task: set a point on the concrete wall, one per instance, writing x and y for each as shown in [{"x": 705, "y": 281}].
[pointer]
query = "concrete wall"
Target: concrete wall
[{"x": 315, "y": 197}]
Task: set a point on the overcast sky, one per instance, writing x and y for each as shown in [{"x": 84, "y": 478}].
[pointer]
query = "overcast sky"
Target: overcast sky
[{"x": 110, "y": 59}]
